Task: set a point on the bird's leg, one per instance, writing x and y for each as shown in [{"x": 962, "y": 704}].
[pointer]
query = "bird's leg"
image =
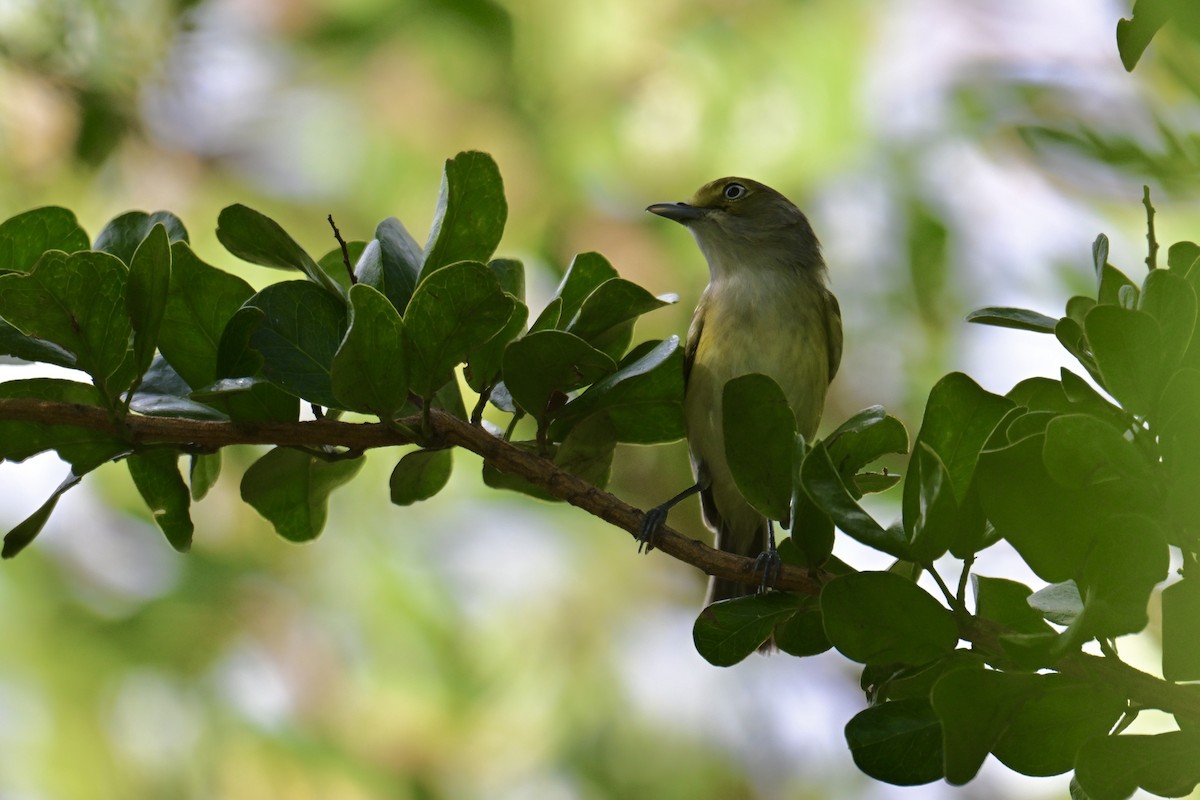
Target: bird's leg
[
  {"x": 656, "y": 516},
  {"x": 768, "y": 561}
]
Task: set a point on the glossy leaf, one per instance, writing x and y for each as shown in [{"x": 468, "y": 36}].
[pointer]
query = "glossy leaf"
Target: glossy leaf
[
  {"x": 1019, "y": 318},
  {"x": 156, "y": 475},
  {"x": 880, "y": 617},
  {"x": 391, "y": 263},
  {"x": 253, "y": 236},
  {"x": 864, "y": 438},
  {"x": 812, "y": 528},
  {"x": 300, "y": 332},
  {"x": 975, "y": 706},
  {"x": 898, "y": 742},
  {"x": 826, "y": 488},
  {"x": 586, "y": 272},
  {"x": 803, "y": 633},
  {"x": 1081, "y": 450},
  {"x": 588, "y": 451},
  {"x": 728, "y": 631},
  {"x": 333, "y": 264},
  {"x": 1170, "y": 300},
  {"x": 485, "y": 361},
  {"x": 25, "y": 237},
  {"x": 1114, "y": 283},
  {"x": 369, "y": 371},
  {"x": 1006, "y": 602},
  {"x": 453, "y": 309},
  {"x": 163, "y": 393},
  {"x": 200, "y": 302},
  {"x": 16, "y": 344},
  {"x": 124, "y": 234},
  {"x": 643, "y": 399},
  {"x": 1114, "y": 767},
  {"x": 760, "y": 430},
  {"x": 541, "y": 364},
  {"x": 27, "y": 529},
  {"x": 291, "y": 490},
  {"x": 78, "y": 303},
  {"x": 1128, "y": 559},
  {"x": 203, "y": 471},
  {"x": 1059, "y": 602},
  {"x": 146, "y": 294},
  {"x": 470, "y": 215},
  {"x": 420, "y": 475},
  {"x": 1127, "y": 347},
  {"x": 610, "y": 306},
  {"x": 931, "y": 515}
]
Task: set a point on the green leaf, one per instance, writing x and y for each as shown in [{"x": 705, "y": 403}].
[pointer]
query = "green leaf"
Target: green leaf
[
  {"x": 333, "y": 264},
  {"x": 1045, "y": 732},
  {"x": 391, "y": 263},
  {"x": 252, "y": 236},
  {"x": 931, "y": 520},
  {"x": 899, "y": 742},
  {"x": 1006, "y": 602},
  {"x": 539, "y": 365},
  {"x": 549, "y": 318},
  {"x": 1099, "y": 253},
  {"x": 471, "y": 213},
  {"x": 643, "y": 399},
  {"x": 760, "y": 430},
  {"x": 1135, "y": 34},
  {"x": 369, "y": 372},
  {"x": 975, "y": 706},
  {"x": 485, "y": 361},
  {"x": 609, "y": 307},
  {"x": 1113, "y": 283},
  {"x": 1081, "y": 451},
  {"x": 1114, "y": 767},
  {"x": 146, "y": 294},
  {"x": 25, "y": 237},
  {"x": 453, "y": 309},
  {"x": 82, "y": 448},
  {"x": 803, "y": 633},
  {"x": 78, "y": 303},
  {"x": 812, "y": 529},
  {"x": 1180, "y": 644},
  {"x": 1051, "y": 526},
  {"x": 241, "y": 391},
  {"x": 156, "y": 474},
  {"x": 15, "y": 343},
  {"x": 1170, "y": 300},
  {"x": 880, "y": 617},
  {"x": 291, "y": 489},
  {"x": 511, "y": 274},
  {"x": 27, "y": 529},
  {"x": 163, "y": 393},
  {"x": 588, "y": 451},
  {"x": 728, "y": 631},
  {"x": 200, "y": 302},
  {"x": 203, "y": 472},
  {"x": 123, "y": 235},
  {"x": 420, "y": 475},
  {"x": 1129, "y": 558},
  {"x": 825, "y": 486},
  {"x": 1127, "y": 346},
  {"x": 586, "y": 272},
  {"x": 865, "y": 437},
  {"x": 1178, "y": 420},
  {"x": 1059, "y": 602},
  {"x": 960, "y": 416},
  {"x": 1019, "y": 318},
  {"x": 298, "y": 337}
]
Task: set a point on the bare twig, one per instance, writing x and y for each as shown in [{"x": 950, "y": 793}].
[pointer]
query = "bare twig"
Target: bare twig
[
  {"x": 345, "y": 250},
  {"x": 1152, "y": 257}
]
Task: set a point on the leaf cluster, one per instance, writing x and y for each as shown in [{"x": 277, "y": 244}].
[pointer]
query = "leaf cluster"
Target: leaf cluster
[{"x": 379, "y": 327}]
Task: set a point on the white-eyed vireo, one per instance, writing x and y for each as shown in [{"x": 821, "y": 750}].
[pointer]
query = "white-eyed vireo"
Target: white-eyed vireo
[{"x": 766, "y": 309}]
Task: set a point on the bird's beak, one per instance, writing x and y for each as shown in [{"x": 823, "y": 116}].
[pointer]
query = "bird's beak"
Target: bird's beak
[{"x": 680, "y": 212}]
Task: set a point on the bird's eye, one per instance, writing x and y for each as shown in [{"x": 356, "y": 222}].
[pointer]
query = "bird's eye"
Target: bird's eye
[{"x": 734, "y": 191}]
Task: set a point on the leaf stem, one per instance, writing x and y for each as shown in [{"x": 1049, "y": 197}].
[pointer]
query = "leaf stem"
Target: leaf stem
[
  {"x": 345, "y": 250},
  {"x": 1152, "y": 257}
]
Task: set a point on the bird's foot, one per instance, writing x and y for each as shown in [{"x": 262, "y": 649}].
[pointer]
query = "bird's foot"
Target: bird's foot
[
  {"x": 651, "y": 522},
  {"x": 770, "y": 564}
]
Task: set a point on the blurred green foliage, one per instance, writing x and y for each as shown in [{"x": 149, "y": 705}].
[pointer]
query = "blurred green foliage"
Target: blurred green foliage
[{"x": 390, "y": 659}]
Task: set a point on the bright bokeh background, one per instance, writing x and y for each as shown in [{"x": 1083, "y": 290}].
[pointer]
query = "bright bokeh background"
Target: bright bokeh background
[{"x": 484, "y": 645}]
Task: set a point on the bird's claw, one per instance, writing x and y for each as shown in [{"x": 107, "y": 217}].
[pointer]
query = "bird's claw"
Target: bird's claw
[
  {"x": 651, "y": 522},
  {"x": 770, "y": 564}
]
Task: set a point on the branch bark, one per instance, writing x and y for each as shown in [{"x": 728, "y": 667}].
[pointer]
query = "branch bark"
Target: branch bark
[{"x": 1143, "y": 689}]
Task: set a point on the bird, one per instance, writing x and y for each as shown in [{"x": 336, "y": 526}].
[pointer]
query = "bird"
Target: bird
[{"x": 767, "y": 309}]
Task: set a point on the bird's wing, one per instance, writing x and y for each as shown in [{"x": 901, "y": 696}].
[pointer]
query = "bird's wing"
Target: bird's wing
[
  {"x": 695, "y": 330},
  {"x": 833, "y": 333}
]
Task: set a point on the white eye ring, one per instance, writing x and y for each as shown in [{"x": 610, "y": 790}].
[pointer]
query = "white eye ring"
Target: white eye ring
[{"x": 734, "y": 191}]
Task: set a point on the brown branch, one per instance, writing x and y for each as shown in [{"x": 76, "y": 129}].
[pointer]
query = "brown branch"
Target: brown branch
[
  {"x": 1143, "y": 689},
  {"x": 446, "y": 428}
]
